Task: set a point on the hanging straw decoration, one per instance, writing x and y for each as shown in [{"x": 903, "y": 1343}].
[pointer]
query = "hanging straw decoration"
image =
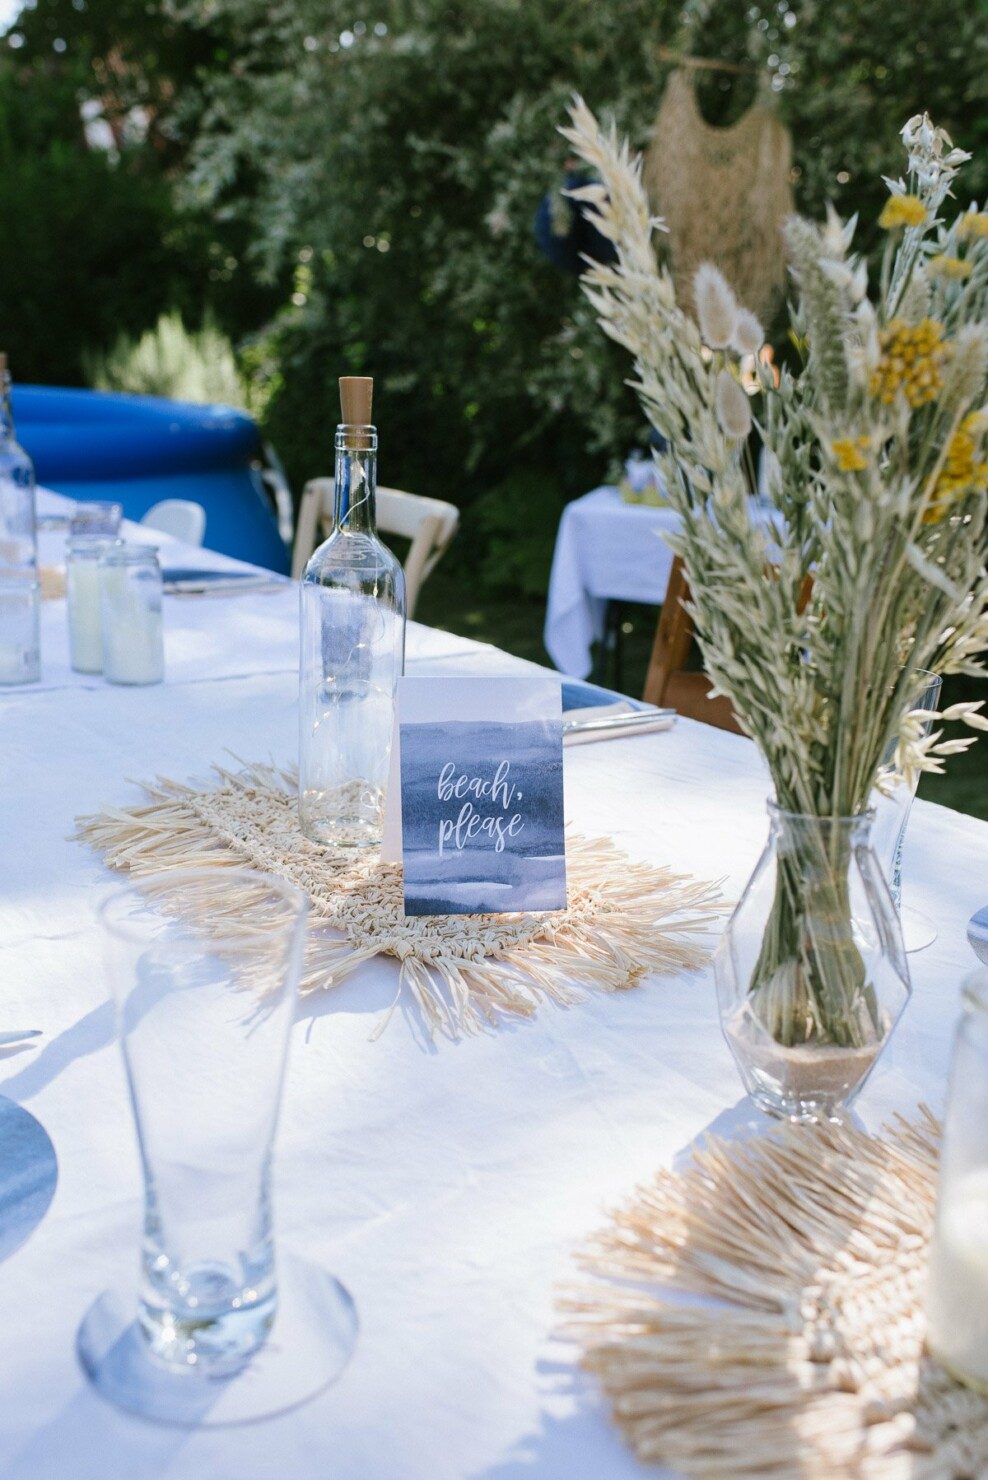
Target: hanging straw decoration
[
  {"x": 723, "y": 194},
  {"x": 763, "y": 1313},
  {"x": 624, "y": 920}
]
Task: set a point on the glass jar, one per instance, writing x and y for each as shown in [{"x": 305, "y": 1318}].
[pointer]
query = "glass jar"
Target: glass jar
[
  {"x": 811, "y": 972},
  {"x": 957, "y": 1296},
  {"x": 82, "y": 589},
  {"x": 130, "y": 608}
]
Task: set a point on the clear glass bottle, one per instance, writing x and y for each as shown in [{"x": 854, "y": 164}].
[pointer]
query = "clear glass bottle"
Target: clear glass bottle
[
  {"x": 957, "y": 1295},
  {"x": 20, "y": 593},
  {"x": 352, "y": 651}
]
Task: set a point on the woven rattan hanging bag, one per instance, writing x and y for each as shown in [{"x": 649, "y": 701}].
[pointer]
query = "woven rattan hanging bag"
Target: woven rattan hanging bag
[{"x": 723, "y": 193}]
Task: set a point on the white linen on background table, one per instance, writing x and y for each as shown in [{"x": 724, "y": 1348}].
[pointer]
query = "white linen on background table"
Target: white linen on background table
[
  {"x": 606, "y": 550},
  {"x": 446, "y": 1186}
]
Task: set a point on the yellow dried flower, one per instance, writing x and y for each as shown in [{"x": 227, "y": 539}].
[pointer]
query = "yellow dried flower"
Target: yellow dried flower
[
  {"x": 851, "y": 453},
  {"x": 902, "y": 210},
  {"x": 973, "y": 223},
  {"x": 911, "y": 362},
  {"x": 963, "y": 470},
  {"x": 950, "y": 267}
]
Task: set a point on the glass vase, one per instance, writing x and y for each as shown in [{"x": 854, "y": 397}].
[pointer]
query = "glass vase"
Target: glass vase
[
  {"x": 957, "y": 1297},
  {"x": 811, "y": 972}
]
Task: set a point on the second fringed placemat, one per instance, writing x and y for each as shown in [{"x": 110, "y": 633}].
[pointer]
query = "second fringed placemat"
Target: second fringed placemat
[
  {"x": 761, "y": 1313},
  {"x": 624, "y": 920}
]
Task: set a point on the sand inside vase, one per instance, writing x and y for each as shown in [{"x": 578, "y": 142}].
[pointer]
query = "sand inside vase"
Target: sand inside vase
[{"x": 808, "y": 1074}]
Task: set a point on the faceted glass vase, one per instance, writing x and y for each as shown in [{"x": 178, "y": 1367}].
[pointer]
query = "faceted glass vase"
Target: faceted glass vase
[{"x": 811, "y": 972}]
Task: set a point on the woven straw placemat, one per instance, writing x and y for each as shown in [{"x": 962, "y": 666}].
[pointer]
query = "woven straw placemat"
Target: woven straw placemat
[
  {"x": 623, "y": 921},
  {"x": 761, "y": 1312}
]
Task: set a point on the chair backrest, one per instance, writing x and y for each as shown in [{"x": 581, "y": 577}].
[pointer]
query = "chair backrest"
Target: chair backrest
[
  {"x": 430, "y": 524},
  {"x": 667, "y": 681},
  {"x": 180, "y": 517}
]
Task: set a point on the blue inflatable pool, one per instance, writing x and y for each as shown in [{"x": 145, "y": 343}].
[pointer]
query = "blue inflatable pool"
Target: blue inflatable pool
[{"x": 140, "y": 449}]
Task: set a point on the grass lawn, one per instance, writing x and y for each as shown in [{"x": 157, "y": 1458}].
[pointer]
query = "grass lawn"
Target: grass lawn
[{"x": 452, "y": 600}]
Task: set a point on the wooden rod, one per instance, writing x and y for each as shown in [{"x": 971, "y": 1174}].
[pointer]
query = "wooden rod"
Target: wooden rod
[{"x": 705, "y": 64}]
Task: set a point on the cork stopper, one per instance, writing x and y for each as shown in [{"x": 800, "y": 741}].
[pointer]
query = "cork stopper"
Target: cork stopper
[{"x": 356, "y": 399}]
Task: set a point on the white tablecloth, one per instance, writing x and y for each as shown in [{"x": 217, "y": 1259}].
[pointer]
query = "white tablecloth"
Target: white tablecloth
[
  {"x": 222, "y": 636},
  {"x": 606, "y": 550},
  {"x": 446, "y": 1187}
]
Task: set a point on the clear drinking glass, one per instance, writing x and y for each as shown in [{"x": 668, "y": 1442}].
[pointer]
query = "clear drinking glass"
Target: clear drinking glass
[
  {"x": 204, "y": 966},
  {"x": 131, "y": 615},
  {"x": 811, "y": 971},
  {"x": 892, "y": 804},
  {"x": 352, "y": 600},
  {"x": 20, "y": 647},
  {"x": 97, "y": 518},
  {"x": 957, "y": 1295}
]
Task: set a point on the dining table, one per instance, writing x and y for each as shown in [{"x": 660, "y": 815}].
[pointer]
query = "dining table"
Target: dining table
[{"x": 447, "y": 1183}]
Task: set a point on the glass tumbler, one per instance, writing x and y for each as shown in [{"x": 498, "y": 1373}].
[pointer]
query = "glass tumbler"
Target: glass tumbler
[
  {"x": 957, "y": 1295},
  {"x": 203, "y": 965},
  {"x": 96, "y": 519},
  {"x": 132, "y": 622},
  {"x": 892, "y": 811}
]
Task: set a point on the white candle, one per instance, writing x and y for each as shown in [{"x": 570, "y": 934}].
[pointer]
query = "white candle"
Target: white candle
[
  {"x": 133, "y": 642},
  {"x": 957, "y": 1301},
  {"x": 85, "y": 622}
]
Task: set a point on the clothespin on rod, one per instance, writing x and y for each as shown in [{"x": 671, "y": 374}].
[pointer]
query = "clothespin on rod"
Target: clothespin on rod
[{"x": 705, "y": 64}]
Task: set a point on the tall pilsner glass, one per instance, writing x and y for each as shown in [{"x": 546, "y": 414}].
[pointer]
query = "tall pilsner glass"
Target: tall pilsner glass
[
  {"x": 203, "y": 965},
  {"x": 892, "y": 803}
]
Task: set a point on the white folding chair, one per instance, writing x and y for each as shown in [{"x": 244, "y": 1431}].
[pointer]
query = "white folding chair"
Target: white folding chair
[
  {"x": 182, "y": 518},
  {"x": 429, "y": 523}
]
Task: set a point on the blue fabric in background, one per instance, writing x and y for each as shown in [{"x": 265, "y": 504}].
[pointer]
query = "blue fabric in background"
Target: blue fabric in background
[
  {"x": 578, "y": 695},
  {"x": 141, "y": 449}
]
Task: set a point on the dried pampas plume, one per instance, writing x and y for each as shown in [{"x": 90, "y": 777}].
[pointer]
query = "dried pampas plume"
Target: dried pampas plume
[
  {"x": 733, "y": 411},
  {"x": 749, "y": 336},
  {"x": 716, "y": 306}
]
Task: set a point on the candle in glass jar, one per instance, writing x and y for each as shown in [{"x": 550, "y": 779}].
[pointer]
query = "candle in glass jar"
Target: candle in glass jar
[
  {"x": 957, "y": 1295},
  {"x": 133, "y": 642},
  {"x": 957, "y": 1301},
  {"x": 82, "y": 586}
]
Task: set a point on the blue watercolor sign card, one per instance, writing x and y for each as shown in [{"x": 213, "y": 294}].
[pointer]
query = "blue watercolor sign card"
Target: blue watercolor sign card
[{"x": 481, "y": 776}]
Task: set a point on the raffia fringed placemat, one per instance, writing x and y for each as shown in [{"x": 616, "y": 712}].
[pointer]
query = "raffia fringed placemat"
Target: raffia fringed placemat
[
  {"x": 623, "y": 921},
  {"x": 786, "y": 1336}
]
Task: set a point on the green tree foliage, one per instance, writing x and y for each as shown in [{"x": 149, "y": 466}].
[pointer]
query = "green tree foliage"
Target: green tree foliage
[
  {"x": 394, "y": 159},
  {"x": 92, "y": 243},
  {"x": 171, "y": 360}
]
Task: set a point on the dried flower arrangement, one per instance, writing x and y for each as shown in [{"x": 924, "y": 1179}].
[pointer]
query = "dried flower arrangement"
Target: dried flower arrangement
[{"x": 873, "y": 566}]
